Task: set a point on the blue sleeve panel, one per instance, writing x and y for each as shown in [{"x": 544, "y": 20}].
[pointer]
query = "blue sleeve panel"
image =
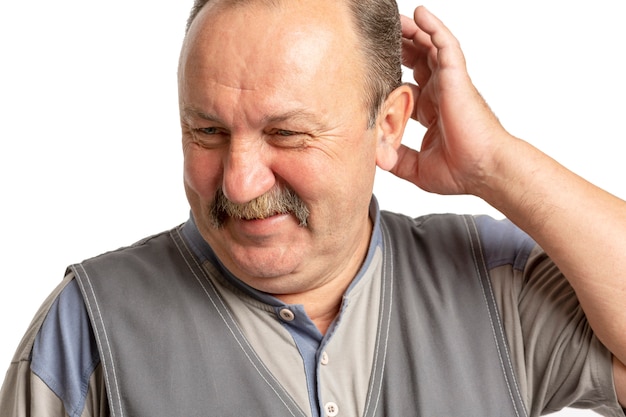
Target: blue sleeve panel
[
  {"x": 64, "y": 352},
  {"x": 503, "y": 243}
]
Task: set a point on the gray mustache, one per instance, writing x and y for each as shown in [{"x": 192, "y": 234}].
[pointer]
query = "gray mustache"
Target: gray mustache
[{"x": 279, "y": 200}]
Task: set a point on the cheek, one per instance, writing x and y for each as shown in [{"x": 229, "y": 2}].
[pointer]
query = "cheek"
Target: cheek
[
  {"x": 305, "y": 173},
  {"x": 202, "y": 174},
  {"x": 330, "y": 185}
]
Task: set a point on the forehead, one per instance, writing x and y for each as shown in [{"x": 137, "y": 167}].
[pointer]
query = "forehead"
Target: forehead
[
  {"x": 257, "y": 57},
  {"x": 335, "y": 12},
  {"x": 230, "y": 39}
]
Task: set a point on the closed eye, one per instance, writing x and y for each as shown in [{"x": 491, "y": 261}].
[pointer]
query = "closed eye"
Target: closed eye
[
  {"x": 209, "y": 130},
  {"x": 210, "y": 137},
  {"x": 286, "y": 138},
  {"x": 283, "y": 132}
]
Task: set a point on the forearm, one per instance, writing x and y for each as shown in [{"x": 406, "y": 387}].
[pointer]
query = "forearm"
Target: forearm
[{"x": 580, "y": 226}]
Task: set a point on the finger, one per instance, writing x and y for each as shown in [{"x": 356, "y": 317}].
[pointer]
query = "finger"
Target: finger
[
  {"x": 449, "y": 52},
  {"x": 412, "y": 32},
  {"x": 416, "y": 42},
  {"x": 423, "y": 111},
  {"x": 408, "y": 27},
  {"x": 417, "y": 62},
  {"x": 418, "y": 51},
  {"x": 407, "y": 165}
]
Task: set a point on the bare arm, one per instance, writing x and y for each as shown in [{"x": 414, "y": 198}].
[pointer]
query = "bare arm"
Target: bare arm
[{"x": 466, "y": 151}]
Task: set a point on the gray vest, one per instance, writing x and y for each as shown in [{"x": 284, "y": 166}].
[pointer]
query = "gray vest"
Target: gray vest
[{"x": 169, "y": 346}]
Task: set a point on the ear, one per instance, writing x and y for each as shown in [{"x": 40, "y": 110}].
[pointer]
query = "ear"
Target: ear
[{"x": 391, "y": 122}]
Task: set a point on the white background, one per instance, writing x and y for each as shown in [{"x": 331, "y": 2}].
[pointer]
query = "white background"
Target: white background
[{"x": 90, "y": 157}]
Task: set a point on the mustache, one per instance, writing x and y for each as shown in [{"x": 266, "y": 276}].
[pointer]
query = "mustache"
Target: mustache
[{"x": 278, "y": 200}]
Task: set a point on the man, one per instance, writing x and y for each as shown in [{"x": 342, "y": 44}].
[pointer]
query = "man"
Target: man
[{"x": 288, "y": 293}]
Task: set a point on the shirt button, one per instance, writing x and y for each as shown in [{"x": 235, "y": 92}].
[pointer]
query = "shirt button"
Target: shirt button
[
  {"x": 287, "y": 314},
  {"x": 331, "y": 409},
  {"x": 324, "y": 358}
]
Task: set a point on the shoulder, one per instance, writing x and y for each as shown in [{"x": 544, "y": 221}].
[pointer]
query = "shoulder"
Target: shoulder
[
  {"x": 56, "y": 366},
  {"x": 501, "y": 242},
  {"x": 64, "y": 353},
  {"x": 156, "y": 250},
  {"x": 431, "y": 227}
]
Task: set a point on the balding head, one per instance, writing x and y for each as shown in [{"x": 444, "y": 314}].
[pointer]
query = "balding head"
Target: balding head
[{"x": 376, "y": 24}]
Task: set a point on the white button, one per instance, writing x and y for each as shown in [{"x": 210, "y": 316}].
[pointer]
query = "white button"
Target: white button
[
  {"x": 324, "y": 359},
  {"x": 331, "y": 409},
  {"x": 287, "y": 314}
]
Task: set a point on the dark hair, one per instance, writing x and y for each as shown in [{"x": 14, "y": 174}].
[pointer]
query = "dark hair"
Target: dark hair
[{"x": 377, "y": 23}]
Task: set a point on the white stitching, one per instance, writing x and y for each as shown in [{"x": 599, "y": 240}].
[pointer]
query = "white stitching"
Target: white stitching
[
  {"x": 387, "y": 249},
  {"x": 222, "y": 316},
  {"x": 493, "y": 328},
  {"x": 97, "y": 334}
]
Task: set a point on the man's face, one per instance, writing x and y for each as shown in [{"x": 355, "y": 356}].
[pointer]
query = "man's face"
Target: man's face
[{"x": 272, "y": 100}]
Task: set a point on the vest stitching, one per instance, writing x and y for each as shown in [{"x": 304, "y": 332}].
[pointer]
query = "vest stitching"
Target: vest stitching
[
  {"x": 388, "y": 254},
  {"x": 113, "y": 410},
  {"x": 178, "y": 241},
  {"x": 472, "y": 231}
]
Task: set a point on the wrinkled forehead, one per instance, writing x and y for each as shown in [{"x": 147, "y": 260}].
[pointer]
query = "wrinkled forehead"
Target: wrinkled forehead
[
  {"x": 271, "y": 27},
  {"x": 276, "y": 50}
]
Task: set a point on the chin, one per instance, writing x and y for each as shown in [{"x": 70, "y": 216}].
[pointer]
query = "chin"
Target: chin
[{"x": 263, "y": 267}]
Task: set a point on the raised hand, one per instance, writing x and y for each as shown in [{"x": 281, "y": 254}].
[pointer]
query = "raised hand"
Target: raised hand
[{"x": 463, "y": 135}]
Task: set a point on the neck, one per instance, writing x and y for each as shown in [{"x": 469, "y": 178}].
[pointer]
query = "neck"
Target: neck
[{"x": 322, "y": 303}]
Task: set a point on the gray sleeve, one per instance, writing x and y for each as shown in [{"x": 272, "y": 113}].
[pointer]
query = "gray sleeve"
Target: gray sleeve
[
  {"x": 559, "y": 361},
  {"x": 24, "y": 394}
]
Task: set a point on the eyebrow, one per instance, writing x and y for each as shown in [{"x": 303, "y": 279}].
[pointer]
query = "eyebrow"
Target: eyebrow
[
  {"x": 297, "y": 114},
  {"x": 190, "y": 111}
]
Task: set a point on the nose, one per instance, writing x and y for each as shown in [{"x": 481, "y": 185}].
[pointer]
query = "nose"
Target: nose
[{"x": 247, "y": 171}]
